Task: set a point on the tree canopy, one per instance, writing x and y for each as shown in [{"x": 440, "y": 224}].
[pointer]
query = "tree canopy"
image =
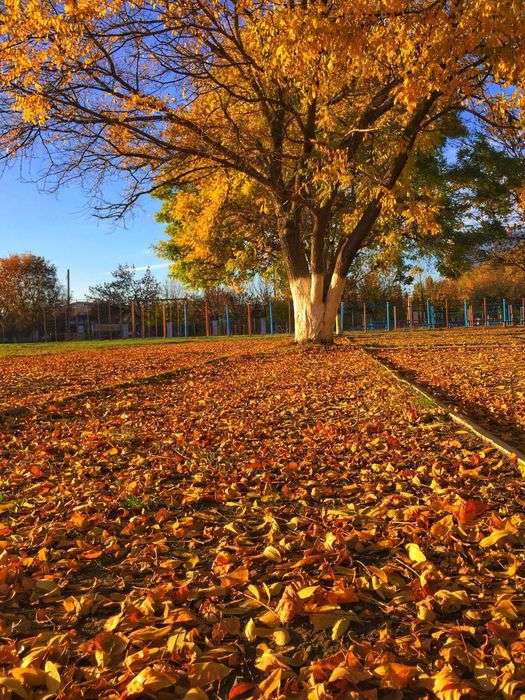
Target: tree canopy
[
  {"x": 125, "y": 287},
  {"x": 313, "y": 110},
  {"x": 29, "y": 292}
]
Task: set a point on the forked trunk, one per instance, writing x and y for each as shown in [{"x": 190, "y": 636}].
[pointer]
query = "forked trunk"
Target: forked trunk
[{"x": 314, "y": 312}]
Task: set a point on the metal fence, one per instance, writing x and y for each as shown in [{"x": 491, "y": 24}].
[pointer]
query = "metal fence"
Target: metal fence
[
  {"x": 166, "y": 318},
  {"x": 171, "y": 318},
  {"x": 413, "y": 313}
]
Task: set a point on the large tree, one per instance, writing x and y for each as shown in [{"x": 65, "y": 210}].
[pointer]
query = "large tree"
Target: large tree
[
  {"x": 468, "y": 186},
  {"x": 317, "y": 106},
  {"x": 29, "y": 293}
]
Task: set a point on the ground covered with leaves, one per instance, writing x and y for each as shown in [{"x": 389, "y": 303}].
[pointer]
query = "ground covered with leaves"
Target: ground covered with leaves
[
  {"x": 481, "y": 372},
  {"x": 290, "y": 524},
  {"x": 28, "y": 379},
  {"x": 482, "y": 336}
]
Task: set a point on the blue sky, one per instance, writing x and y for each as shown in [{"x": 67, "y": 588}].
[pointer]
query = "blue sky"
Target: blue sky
[{"x": 61, "y": 228}]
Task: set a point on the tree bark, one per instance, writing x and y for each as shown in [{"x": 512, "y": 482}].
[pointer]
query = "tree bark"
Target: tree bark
[
  {"x": 314, "y": 314},
  {"x": 315, "y": 303}
]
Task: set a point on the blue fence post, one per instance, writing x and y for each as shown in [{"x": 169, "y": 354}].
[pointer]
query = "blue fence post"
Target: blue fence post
[
  {"x": 429, "y": 322},
  {"x": 432, "y": 315},
  {"x": 465, "y": 313},
  {"x": 227, "y": 314},
  {"x": 270, "y": 310},
  {"x": 342, "y": 317},
  {"x": 388, "y": 315},
  {"x": 504, "y": 311},
  {"x": 185, "y": 319}
]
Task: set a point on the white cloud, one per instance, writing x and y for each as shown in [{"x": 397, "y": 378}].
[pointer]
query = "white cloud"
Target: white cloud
[{"x": 158, "y": 266}]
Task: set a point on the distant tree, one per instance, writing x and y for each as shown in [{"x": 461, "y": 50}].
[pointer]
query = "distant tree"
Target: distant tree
[
  {"x": 29, "y": 292},
  {"x": 148, "y": 289},
  {"x": 124, "y": 287},
  {"x": 492, "y": 282},
  {"x": 510, "y": 255},
  {"x": 485, "y": 281},
  {"x": 120, "y": 290}
]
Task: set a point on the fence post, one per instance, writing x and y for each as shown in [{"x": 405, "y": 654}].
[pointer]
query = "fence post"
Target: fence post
[
  {"x": 388, "y": 315},
  {"x": 364, "y": 317},
  {"x": 394, "y": 309},
  {"x": 429, "y": 323},
  {"x": 249, "y": 309},
  {"x": 511, "y": 319},
  {"x": 465, "y": 313},
  {"x": 227, "y": 314},
  {"x": 133, "y": 319},
  {"x": 185, "y": 319},
  {"x": 206, "y": 318},
  {"x": 270, "y": 311},
  {"x": 504, "y": 311},
  {"x": 342, "y": 314}
]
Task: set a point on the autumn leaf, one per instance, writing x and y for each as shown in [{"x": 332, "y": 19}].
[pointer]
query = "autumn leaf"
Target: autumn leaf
[
  {"x": 150, "y": 680},
  {"x": 250, "y": 630},
  {"x": 448, "y": 686},
  {"x": 470, "y": 510},
  {"x": 196, "y": 694},
  {"x": 395, "y": 675},
  {"x": 272, "y": 553},
  {"x": 235, "y": 578},
  {"x": 239, "y": 689},
  {"x": 450, "y": 601},
  {"x": 30, "y": 676},
  {"x": 206, "y": 673},
  {"x": 109, "y": 649},
  {"x": 415, "y": 553},
  {"x": 289, "y": 605}
]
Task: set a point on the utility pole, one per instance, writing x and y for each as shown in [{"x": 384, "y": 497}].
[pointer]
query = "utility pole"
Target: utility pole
[{"x": 68, "y": 303}]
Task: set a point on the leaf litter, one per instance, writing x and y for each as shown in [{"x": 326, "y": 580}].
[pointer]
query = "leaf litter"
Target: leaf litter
[{"x": 287, "y": 525}]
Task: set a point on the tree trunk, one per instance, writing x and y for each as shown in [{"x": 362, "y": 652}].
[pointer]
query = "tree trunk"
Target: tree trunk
[
  {"x": 314, "y": 312},
  {"x": 315, "y": 304}
]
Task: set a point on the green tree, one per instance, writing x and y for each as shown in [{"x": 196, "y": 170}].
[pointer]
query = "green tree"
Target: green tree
[{"x": 125, "y": 287}]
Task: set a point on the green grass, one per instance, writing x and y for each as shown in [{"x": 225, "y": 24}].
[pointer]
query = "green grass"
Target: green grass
[
  {"x": 16, "y": 349},
  {"x": 133, "y": 503}
]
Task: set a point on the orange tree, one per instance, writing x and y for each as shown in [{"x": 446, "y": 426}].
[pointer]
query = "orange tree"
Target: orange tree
[
  {"x": 29, "y": 293},
  {"x": 315, "y": 107}
]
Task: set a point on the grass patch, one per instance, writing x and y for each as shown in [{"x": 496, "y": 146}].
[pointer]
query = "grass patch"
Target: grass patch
[
  {"x": 52, "y": 347},
  {"x": 423, "y": 402}
]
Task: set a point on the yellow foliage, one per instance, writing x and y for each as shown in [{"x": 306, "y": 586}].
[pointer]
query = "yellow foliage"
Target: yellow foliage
[{"x": 283, "y": 109}]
